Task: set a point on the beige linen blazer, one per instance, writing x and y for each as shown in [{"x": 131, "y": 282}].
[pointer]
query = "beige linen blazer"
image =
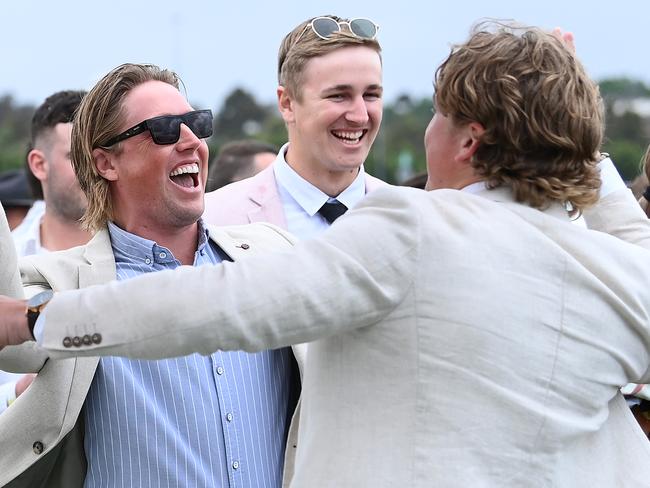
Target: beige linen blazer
[
  {"x": 43, "y": 430},
  {"x": 458, "y": 339},
  {"x": 9, "y": 277},
  {"x": 255, "y": 199}
]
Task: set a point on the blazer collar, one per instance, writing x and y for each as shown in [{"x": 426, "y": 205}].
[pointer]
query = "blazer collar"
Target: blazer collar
[
  {"x": 503, "y": 194},
  {"x": 100, "y": 267}
]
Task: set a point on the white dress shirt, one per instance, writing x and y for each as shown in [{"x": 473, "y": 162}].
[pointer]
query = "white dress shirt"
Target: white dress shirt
[{"x": 301, "y": 200}]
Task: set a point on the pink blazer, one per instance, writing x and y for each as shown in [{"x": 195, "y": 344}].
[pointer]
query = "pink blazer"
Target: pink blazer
[{"x": 254, "y": 199}]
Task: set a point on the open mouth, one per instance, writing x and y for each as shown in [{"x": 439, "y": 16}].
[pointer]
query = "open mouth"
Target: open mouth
[
  {"x": 349, "y": 136},
  {"x": 186, "y": 175}
]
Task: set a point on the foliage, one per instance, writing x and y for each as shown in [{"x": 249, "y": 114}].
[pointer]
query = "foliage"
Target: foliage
[{"x": 398, "y": 151}]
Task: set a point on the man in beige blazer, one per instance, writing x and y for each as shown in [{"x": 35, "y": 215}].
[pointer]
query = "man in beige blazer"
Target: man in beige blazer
[
  {"x": 330, "y": 97},
  {"x": 459, "y": 338},
  {"x": 142, "y": 164}
]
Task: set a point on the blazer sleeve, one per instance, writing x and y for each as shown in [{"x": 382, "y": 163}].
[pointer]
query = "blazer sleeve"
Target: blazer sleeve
[
  {"x": 620, "y": 215},
  {"x": 9, "y": 277},
  {"x": 354, "y": 276},
  {"x": 27, "y": 357}
]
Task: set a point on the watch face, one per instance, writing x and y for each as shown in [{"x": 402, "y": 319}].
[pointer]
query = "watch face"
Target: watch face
[{"x": 40, "y": 299}]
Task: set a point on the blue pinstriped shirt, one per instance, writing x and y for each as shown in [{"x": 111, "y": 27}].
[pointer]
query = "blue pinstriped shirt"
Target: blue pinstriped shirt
[{"x": 217, "y": 421}]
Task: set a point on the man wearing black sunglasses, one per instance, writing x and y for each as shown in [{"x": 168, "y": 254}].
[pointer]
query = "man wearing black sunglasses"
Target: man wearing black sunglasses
[
  {"x": 330, "y": 97},
  {"x": 140, "y": 155}
]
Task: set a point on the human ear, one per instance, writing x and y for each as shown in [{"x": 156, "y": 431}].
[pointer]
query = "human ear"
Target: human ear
[
  {"x": 104, "y": 164},
  {"x": 285, "y": 104},
  {"x": 471, "y": 140},
  {"x": 37, "y": 163}
]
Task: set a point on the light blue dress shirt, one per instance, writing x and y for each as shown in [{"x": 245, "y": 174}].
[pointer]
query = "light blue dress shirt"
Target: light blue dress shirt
[{"x": 215, "y": 421}]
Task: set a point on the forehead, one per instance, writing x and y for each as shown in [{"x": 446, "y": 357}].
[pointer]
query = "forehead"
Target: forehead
[
  {"x": 353, "y": 65},
  {"x": 151, "y": 99}
]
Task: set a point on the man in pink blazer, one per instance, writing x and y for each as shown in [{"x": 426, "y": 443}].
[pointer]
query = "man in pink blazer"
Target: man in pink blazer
[{"x": 330, "y": 97}]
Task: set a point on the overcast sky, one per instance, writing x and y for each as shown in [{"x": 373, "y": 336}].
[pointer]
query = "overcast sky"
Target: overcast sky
[{"x": 214, "y": 45}]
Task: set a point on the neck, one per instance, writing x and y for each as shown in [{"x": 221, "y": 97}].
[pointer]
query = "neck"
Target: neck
[
  {"x": 332, "y": 183},
  {"x": 58, "y": 234},
  {"x": 181, "y": 241}
]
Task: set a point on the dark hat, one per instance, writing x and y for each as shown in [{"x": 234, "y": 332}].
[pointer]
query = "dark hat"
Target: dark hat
[{"x": 14, "y": 189}]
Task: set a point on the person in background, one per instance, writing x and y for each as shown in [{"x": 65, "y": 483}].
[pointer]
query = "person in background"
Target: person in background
[
  {"x": 52, "y": 180},
  {"x": 238, "y": 160},
  {"x": 330, "y": 97}
]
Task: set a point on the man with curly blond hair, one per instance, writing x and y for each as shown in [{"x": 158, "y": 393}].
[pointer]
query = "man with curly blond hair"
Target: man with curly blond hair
[{"x": 467, "y": 336}]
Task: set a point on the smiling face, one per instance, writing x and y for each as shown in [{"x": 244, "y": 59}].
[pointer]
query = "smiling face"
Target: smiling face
[
  {"x": 335, "y": 118},
  {"x": 156, "y": 186}
]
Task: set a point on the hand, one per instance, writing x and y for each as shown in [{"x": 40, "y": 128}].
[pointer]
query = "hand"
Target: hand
[
  {"x": 23, "y": 383},
  {"x": 567, "y": 38},
  {"x": 13, "y": 322}
]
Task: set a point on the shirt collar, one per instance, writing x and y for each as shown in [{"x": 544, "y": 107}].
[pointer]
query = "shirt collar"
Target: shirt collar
[
  {"x": 129, "y": 247},
  {"x": 310, "y": 198},
  {"x": 477, "y": 187}
]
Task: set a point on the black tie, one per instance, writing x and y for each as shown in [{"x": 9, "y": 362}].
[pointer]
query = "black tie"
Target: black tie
[{"x": 332, "y": 211}]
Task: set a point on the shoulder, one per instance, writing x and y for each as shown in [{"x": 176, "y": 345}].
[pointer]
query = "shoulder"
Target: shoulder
[
  {"x": 373, "y": 183},
  {"x": 42, "y": 269},
  {"x": 241, "y": 189},
  {"x": 60, "y": 269}
]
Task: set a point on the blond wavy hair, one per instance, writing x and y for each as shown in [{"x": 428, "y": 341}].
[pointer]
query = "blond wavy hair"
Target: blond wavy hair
[
  {"x": 543, "y": 116},
  {"x": 99, "y": 118},
  {"x": 302, "y": 44}
]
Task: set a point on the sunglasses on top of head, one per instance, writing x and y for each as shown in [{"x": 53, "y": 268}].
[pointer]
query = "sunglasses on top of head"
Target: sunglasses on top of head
[
  {"x": 166, "y": 129},
  {"x": 324, "y": 27}
]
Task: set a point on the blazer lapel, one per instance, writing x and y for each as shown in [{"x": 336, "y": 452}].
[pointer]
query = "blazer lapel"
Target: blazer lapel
[
  {"x": 100, "y": 267},
  {"x": 264, "y": 194}
]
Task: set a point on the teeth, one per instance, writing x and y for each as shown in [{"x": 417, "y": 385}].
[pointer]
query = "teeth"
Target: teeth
[
  {"x": 349, "y": 135},
  {"x": 186, "y": 168}
]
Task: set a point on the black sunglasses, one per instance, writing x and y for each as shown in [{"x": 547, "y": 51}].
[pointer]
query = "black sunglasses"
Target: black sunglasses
[{"x": 166, "y": 129}]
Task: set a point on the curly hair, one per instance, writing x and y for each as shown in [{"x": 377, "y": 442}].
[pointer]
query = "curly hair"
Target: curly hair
[
  {"x": 543, "y": 116},
  {"x": 99, "y": 118},
  {"x": 302, "y": 44}
]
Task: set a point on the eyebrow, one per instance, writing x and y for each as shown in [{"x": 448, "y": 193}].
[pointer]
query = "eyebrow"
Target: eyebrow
[{"x": 343, "y": 87}]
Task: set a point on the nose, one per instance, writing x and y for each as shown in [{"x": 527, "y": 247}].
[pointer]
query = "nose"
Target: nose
[
  {"x": 358, "y": 111},
  {"x": 187, "y": 139}
]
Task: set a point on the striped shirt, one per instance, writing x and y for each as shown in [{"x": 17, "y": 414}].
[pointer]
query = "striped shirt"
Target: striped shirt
[{"x": 215, "y": 421}]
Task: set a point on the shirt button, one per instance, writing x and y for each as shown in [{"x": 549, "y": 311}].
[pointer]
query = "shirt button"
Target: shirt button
[
  {"x": 220, "y": 370},
  {"x": 162, "y": 255},
  {"x": 229, "y": 417},
  {"x": 38, "y": 448},
  {"x": 147, "y": 261},
  {"x": 235, "y": 465}
]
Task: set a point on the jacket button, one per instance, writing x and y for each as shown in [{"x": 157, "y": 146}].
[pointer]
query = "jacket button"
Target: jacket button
[
  {"x": 76, "y": 341},
  {"x": 96, "y": 338},
  {"x": 86, "y": 340},
  {"x": 67, "y": 342},
  {"x": 38, "y": 447},
  {"x": 245, "y": 246}
]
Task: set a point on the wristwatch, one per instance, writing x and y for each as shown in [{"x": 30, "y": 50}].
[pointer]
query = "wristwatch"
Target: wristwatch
[{"x": 34, "y": 307}]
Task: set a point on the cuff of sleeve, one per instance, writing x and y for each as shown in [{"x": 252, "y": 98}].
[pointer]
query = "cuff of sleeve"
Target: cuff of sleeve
[
  {"x": 39, "y": 328},
  {"x": 611, "y": 181},
  {"x": 7, "y": 395}
]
